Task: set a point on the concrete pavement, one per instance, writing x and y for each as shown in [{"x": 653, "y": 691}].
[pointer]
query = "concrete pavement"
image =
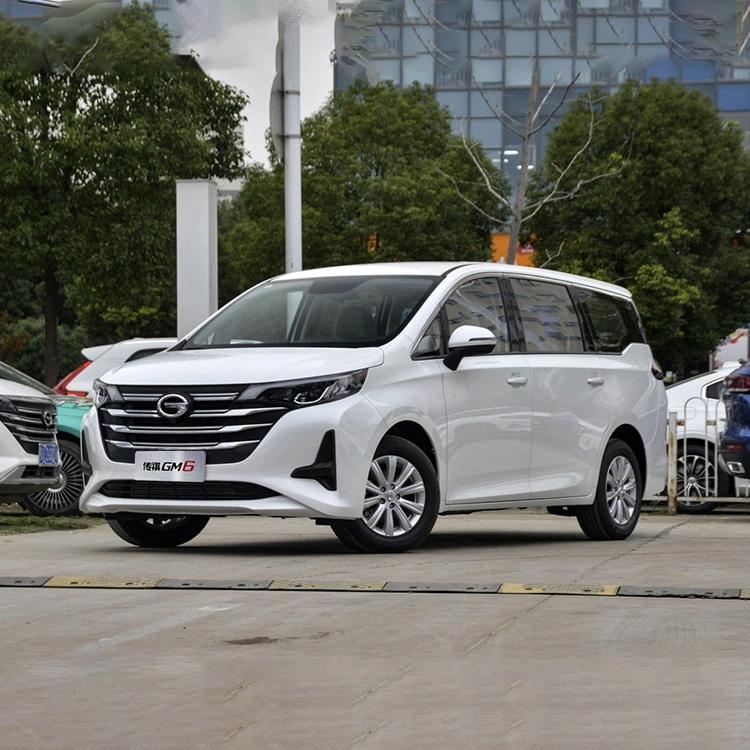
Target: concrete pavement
[{"x": 109, "y": 646}]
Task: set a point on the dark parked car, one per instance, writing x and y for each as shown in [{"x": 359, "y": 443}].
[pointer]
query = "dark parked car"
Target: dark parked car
[{"x": 734, "y": 453}]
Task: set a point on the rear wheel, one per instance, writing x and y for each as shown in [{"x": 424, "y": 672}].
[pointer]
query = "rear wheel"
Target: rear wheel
[
  {"x": 158, "y": 531},
  {"x": 617, "y": 505},
  {"x": 62, "y": 499},
  {"x": 696, "y": 479},
  {"x": 401, "y": 501}
]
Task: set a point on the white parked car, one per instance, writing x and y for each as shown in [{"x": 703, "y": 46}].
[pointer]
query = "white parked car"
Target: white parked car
[
  {"x": 698, "y": 404},
  {"x": 99, "y": 359},
  {"x": 29, "y": 456},
  {"x": 373, "y": 398}
]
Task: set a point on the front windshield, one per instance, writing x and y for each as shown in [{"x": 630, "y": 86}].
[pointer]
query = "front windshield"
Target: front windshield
[
  {"x": 346, "y": 311},
  {"x": 15, "y": 376}
]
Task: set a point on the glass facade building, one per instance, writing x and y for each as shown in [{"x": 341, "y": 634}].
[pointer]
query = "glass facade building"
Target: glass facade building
[{"x": 480, "y": 54}]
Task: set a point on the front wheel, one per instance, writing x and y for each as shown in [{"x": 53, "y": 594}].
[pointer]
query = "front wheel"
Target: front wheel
[
  {"x": 158, "y": 531},
  {"x": 617, "y": 505},
  {"x": 62, "y": 499},
  {"x": 401, "y": 501}
]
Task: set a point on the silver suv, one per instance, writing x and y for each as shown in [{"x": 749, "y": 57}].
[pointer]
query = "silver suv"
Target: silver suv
[{"x": 29, "y": 455}]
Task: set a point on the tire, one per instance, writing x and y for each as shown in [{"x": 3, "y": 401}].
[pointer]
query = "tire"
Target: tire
[
  {"x": 401, "y": 501},
  {"x": 617, "y": 505},
  {"x": 695, "y": 478},
  {"x": 158, "y": 531},
  {"x": 62, "y": 499}
]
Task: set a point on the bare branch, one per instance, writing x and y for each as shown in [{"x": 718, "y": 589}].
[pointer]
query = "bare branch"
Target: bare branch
[
  {"x": 471, "y": 202},
  {"x": 83, "y": 57},
  {"x": 554, "y": 195},
  {"x": 482, "y": 171},
  {"x": 510, "y": 122},
  {"x": 565, "y": 95},
  {"x": 432, "y": 49},
  {"x": 550, "y": 257},
  {"x": 554, "y": 38},
  {"x": 667, "y": 40},
  {"x": 430, "y": 18}
]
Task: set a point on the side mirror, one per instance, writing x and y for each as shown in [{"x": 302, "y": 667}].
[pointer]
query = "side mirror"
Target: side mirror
[{"x": 466, "y": 341}]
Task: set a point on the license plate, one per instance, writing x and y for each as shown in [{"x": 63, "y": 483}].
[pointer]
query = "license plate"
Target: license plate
[
  {"x": 170, "y": 466},
  {"x": 48, "y": 454}
]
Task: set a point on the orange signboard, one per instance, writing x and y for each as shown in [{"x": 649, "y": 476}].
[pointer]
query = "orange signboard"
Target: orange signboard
[{"x": 500, "y": 242}]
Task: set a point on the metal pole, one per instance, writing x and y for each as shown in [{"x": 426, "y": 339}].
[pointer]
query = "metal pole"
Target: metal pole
[
  {"x": 289, "y": 22},
  {"x": 672, "y": 455}
]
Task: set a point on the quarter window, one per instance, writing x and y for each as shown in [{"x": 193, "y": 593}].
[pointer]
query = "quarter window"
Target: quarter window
[
  {"x": 548, "y": 316},
  {"x": 614, "y": 322}
]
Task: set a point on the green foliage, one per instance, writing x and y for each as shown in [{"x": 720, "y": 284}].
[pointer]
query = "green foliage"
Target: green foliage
[
  {"x": 29, "y": 358},
  {"x": 661, "y": 225},
  {"x": 371, "y": 190},
  {"x": 94, "y": 131}
]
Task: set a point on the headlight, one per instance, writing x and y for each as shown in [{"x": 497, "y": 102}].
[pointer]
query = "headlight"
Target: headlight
[
  {"x": 7, "y": 406},
  {"x": 104, "y": 394},
  {"x": 298, "y": 393}
]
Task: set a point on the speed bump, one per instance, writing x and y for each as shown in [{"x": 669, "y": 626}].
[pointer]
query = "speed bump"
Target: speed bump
[
  {"x": 575, "y": 589},
  {"x": 94, "y": 582},
  {"x": 327, "y": 586},
  {"x": 25, "y": 581}
]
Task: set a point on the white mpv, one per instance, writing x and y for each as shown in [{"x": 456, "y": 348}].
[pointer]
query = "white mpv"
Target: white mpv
[{"x": 374, "y": 398}]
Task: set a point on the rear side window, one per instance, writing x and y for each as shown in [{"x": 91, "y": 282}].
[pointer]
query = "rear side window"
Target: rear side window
[
  {"x": 548, "y": 316},
  {"x": 614, "y": 321}
]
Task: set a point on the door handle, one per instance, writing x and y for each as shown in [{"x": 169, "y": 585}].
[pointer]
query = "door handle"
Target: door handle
[
  {"x": 517, "y": 380},
  {"x": 595, "y": 381}
]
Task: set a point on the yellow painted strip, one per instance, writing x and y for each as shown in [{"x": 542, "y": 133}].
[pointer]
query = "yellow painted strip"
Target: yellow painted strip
[
  {"x": 328, "y": 585},
  {"x": 69, "y": 582},
  {"x": 586, "y": 590},
  {"x": 744, "y": 593}
]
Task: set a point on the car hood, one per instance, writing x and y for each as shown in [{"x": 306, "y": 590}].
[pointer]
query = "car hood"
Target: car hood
[
  {"x": 239, "y": 366},
  {"x": 10, "y": 388}
]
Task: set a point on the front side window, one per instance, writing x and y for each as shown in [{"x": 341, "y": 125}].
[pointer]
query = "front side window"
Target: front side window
[
  {"x": 479, "y": 302},
  {"x": 614, "y": 321},
  {"x": 548, "y": 316},
  {"x": 345, "y": 311}
]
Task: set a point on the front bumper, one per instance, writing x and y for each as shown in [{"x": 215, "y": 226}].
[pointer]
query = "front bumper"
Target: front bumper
[
  {"x": 21, "y": 477},
  {"x": 282, "y": 477}
]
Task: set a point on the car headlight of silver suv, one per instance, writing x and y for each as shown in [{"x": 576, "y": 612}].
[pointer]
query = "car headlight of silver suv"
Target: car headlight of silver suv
[
  {"x": 298, "y": 393},
  {"x": 104, "y": 394}
]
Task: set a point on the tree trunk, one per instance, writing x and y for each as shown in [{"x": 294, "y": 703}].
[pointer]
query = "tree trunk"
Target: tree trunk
[
  {"x": 51, "y": 297},
  {"x": 523, "y": 175}
]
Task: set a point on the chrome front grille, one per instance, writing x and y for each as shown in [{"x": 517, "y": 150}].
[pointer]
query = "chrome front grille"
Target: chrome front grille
[
  {"x": 27, "y": 422},
  {"x": 216, "y": 421}
]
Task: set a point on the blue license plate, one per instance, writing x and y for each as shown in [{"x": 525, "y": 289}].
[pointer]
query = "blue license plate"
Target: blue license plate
[{"x": 48, "y": 455}]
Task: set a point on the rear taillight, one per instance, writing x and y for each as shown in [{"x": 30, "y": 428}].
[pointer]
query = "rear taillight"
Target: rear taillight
[
  {"x": 61, "y": 387},
  {"x": 737, "y": 383}
]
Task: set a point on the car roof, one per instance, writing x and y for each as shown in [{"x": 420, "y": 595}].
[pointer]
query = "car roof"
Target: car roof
[{"x": 447, "y": 269}]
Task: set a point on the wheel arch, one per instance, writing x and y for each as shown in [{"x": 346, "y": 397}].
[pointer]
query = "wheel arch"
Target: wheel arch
[
  {"x": 629, "y": 435},
  {"x": 415, "y": 433}
]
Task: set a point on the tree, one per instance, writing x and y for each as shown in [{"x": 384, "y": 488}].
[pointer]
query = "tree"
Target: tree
[
  {"x": 374, "y": 161},
  {"x": 662, "y": 225},
  {"x": 93, "y": 133}
]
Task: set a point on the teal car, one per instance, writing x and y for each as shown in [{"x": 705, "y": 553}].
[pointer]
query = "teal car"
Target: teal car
[{"x": 62, "y": 498}]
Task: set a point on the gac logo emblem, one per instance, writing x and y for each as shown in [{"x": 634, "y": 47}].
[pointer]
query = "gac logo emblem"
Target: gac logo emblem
[{"x": 172, "y": 406}]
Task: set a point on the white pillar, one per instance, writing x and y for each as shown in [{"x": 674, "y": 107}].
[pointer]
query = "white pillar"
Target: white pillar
[
  {"x": 289, "y": 32},
  {"x": 197, "y": 275}
]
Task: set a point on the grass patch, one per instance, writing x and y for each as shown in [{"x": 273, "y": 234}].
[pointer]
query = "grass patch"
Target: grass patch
[{"x": 16, "y": 520}]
